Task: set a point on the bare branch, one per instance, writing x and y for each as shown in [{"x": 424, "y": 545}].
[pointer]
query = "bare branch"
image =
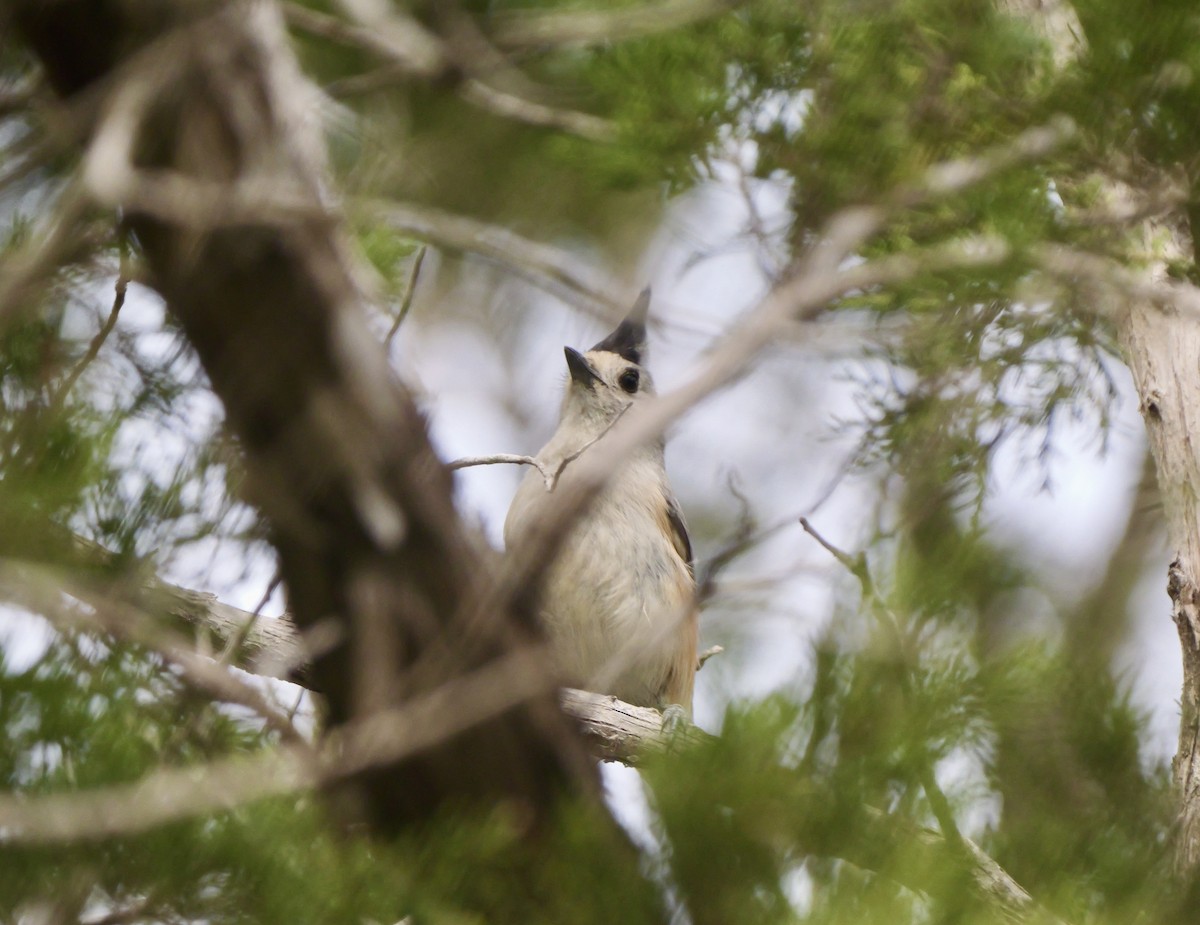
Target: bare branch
[
  {"x": 93, "y": 349},
  {"x": 529, "y": 259},
  {"x": 409, "y": 292},
  {"x": 511, "y": 106},
  {"x": 992, "y": 882},
  {"x": 234, "y": 645},
  {"x": 43, "y": 595},
  {"x": 414, "y": 51},
  {"x": 710, "y": 652},
  {"x": 466, "y": 462},
  {"x": 856, "y": 565},
  {"x": 1106, "y": 277},
  {"x": 550, "y": 476},
  {"x": 576, "y": 28},
  {"x": 496, "y": 459},
  {"x": 269, "y": 647},
  {"x": 619, "y": 731}
]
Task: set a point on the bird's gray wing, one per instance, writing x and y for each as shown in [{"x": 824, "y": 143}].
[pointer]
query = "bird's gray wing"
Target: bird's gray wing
[{"x": 679, "y": 534}]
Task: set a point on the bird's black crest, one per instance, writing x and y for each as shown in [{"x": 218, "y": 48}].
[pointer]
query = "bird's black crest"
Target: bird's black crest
[{"x": 629, "y": 339}]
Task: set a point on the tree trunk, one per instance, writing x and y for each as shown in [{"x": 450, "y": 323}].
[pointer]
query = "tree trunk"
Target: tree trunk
[
  {"x": 1163, "y": 351},
  {"x": 1162, "y": 348}
]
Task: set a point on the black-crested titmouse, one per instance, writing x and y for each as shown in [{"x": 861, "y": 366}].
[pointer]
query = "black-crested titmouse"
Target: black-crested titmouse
[{"x": 619, "y": 602}]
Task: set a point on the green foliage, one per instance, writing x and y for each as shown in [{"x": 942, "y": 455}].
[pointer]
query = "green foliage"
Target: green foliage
[
  {"x": 51, "y": 455},
  {"x": 1136, "y": 86}
]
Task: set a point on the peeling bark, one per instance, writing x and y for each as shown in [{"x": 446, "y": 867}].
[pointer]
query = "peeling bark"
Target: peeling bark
[
  {"x": 1163, "y": 352},
  {"x": 1162, "y": 349}
]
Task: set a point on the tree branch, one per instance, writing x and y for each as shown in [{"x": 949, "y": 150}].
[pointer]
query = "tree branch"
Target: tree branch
[
  {"x": 93, "y": 348},
  {"x": 380, "y": 739},
  {"x": 414, "y": 51},
  {"x": 542, "y": 264},
  {"x": 1106, "y": 279},
  {"x": 579, "y": 28},
  {"x": 1160, "y": 348},
  {"x": 409, "y": 291}
]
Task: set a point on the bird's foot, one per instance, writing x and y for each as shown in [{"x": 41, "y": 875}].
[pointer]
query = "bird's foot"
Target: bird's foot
[{"x": 675, "y": 720}]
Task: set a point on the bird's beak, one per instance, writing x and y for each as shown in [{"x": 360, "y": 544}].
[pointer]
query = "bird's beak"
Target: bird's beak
[{"x": 581, "y": 369}]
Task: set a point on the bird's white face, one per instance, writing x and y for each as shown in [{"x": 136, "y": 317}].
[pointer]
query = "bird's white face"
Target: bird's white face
[{"x": 602, "y": 385}]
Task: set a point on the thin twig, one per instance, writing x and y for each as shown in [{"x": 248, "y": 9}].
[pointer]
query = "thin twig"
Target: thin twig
[
  {"x": 409, "y": 292},
  {"x": 576, "y": 28},
  {"x": 552, "y": 480},
  {"x": 520, "y": 109},
  {"x": 392, "y": 35},
  {"x": 1105, "y": 276},
  {"x": 744, "y": 538},
  {"x": 93, "y": 349},
  {"x": 235, "y": 643},
  {"x": 532, "y": 260},
  {"x": 857, "y": 566},
  {"x": 549, "y": 476},
  {"x": 417, "y": 52},
  {"x": 501, "y": 459}
]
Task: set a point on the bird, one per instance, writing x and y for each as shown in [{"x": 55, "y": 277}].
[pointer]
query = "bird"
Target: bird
[{"x": 618, "y": 605}]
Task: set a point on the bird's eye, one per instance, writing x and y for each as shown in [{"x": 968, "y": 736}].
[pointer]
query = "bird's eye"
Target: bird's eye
[{"x": 629, "y": 380}]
